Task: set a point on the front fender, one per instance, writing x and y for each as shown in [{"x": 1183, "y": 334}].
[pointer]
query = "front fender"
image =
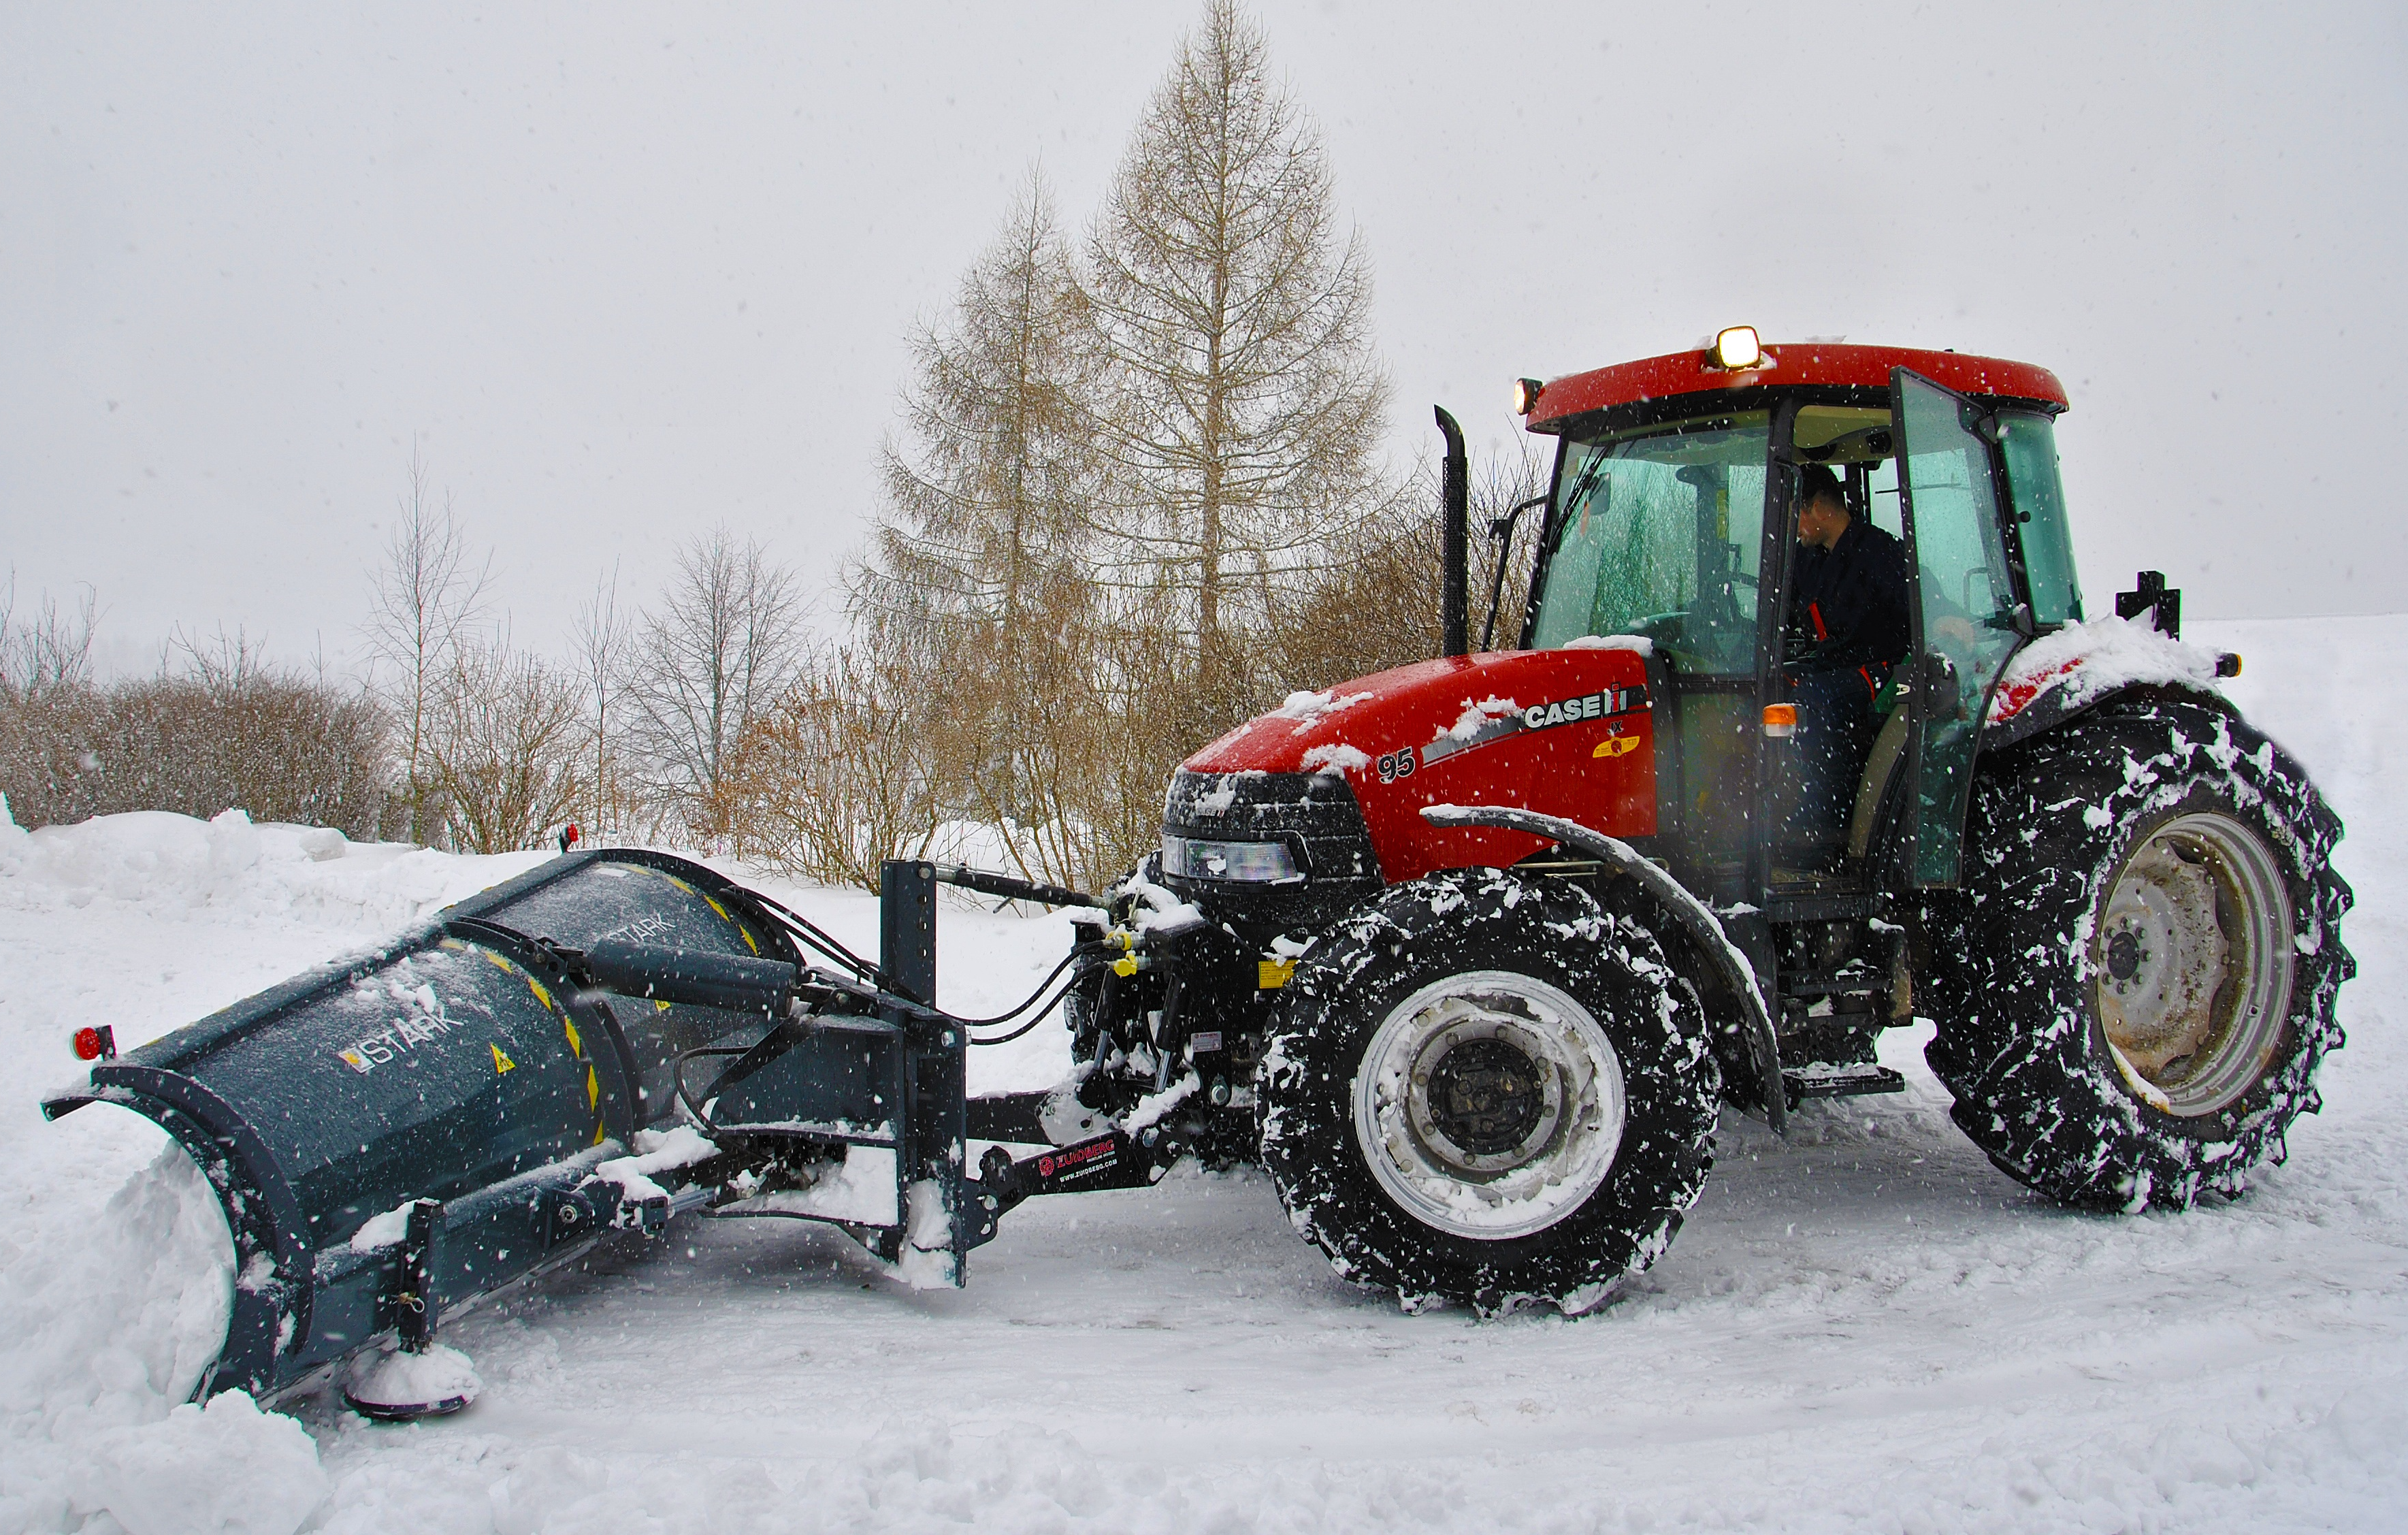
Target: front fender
[{"x": 1696, "y": 918}]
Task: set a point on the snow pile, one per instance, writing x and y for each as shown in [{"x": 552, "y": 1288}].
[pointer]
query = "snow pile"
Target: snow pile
[
  {"x": 861, "y": 1188},
  {"x": 656, "y": 1150},
  {"x": 2089, "y": 660},
  {"x": 1477, "y": 717},
  {"x": 383, "y": 1230},
  {"x": 108, "y": 1330},
  {"x": 1335, "y": 759},
  {"x": 1308, "y": 709},
  {"x": 1638, "y": 644},
  {"x": 125, "y": 1318},
  {"x": 1160, "y": 909},
  {"x": 227, "y": 1468},
  {"x": 229, "y": 866},
  {"x": 390, "y": 1376}
]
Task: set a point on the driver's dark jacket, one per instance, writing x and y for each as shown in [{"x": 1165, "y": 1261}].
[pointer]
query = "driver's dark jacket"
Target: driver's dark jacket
[{"x": 1850, "y": 600}]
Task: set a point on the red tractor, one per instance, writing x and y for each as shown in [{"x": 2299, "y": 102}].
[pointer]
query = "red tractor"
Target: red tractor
[
  {"x": 1473, "y": 950},
  {"x": 1469, "y": 953}
]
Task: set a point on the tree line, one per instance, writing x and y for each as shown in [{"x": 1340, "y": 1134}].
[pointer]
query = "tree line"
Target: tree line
[{"x": 1136, "y": 495}]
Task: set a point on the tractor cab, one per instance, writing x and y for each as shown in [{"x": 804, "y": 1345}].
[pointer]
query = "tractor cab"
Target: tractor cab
[{"x": 1674, "y": 519}]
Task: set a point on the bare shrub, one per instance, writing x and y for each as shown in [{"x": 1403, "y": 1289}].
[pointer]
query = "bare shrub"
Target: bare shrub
[
  {"x": 427, "y": 594},
  {"x": 1378, "y": 606},
  {"x": 716, "y": 656},
  {"x": 47, "y": 649},
  {"x": 839, "y": 776},
  {"x": 224, "y": 731},
  {"x": 50, "y": 744},
  {"x": 602, "y": 644},
  {"x": 503, "y": 748}
]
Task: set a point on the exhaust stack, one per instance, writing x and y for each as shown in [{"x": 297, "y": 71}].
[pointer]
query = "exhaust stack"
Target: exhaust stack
[{"x": 1454, "y": 513}]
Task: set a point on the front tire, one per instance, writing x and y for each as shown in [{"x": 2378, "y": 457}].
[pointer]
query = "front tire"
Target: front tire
[
  {"x": 1485, "y": 1089},
  {"x": 2135, "y": 995}
]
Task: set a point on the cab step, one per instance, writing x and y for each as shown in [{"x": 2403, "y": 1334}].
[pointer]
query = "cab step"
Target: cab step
[{"x": 1817, "y": 1080}]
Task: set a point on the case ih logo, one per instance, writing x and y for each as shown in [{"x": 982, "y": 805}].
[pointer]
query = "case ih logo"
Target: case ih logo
[{"x": 1588, "y": 706}]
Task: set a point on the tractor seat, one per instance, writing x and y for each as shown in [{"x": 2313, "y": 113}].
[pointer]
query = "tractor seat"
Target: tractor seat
[{"x": 1881, "y": 772}]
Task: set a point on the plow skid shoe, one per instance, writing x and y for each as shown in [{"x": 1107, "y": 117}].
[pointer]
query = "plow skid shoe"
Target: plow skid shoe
[{"x": 458, "y": 1064}]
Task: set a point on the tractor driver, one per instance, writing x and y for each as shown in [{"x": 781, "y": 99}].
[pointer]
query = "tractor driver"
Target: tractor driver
[{"x": 1847, "y": 610}]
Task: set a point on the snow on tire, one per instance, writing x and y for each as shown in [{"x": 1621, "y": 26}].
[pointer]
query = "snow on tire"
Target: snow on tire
[
  {"x": 1486, "y": 1089},
  {"x": 2136, "y": 990}
]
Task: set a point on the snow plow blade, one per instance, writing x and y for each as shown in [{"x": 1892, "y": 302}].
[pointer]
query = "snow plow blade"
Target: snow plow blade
[{"x": 479, "y": 1062}]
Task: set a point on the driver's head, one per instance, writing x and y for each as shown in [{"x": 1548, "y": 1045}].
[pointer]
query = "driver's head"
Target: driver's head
[{"x": 1822, "y": 507}]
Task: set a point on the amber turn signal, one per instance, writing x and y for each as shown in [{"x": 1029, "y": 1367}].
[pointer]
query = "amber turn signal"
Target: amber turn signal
[{"x": 1779, "y": 721}]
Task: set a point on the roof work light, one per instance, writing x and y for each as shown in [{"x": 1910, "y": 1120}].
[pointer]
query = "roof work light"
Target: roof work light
[
  {"x": 1737, "y": 348},
  {"x": 1526, "y": 395}
]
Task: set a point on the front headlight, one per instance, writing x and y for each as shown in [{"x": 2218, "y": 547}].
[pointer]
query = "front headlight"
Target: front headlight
[{"x": 1254, "y": 863}]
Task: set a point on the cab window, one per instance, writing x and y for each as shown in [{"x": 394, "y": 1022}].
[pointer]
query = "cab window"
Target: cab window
[
  {"x": 1658, "y": 532},
  {"x": 2028, "y": 441}
]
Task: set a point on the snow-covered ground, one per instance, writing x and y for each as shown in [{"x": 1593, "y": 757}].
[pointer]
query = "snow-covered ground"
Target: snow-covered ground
[{"x": 1863, "y": 1328}]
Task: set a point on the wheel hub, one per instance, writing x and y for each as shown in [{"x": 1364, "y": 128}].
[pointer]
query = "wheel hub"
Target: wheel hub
[
  {"x": 2192, "y": 963},
  {"x": 1489, "y": 1104},
  {"x": 2124, "y": 954},
  {"x": 1485, "y": 1095}
]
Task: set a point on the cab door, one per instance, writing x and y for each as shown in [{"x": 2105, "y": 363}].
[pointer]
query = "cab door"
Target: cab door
[{"x": 1967, "y": 616}]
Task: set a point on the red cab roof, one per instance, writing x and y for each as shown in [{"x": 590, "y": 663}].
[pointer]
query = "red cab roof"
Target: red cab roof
[{"x": 1798, "y": 363}]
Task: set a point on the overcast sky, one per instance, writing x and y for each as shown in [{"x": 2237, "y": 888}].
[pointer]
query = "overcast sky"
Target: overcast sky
[{"x": 622, "y": 274}]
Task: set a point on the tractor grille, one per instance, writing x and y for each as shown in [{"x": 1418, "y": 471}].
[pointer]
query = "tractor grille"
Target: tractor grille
[{"x": 1315, "y": 815}]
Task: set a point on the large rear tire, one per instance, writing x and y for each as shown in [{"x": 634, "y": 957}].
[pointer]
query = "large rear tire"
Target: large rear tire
[
  {"x": 2135, "y": 992},
  {"x": 1486, "y": 1089}
]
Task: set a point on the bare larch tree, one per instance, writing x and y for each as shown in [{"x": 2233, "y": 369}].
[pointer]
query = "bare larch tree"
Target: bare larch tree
[
  {"x": 1243, "y": 403},
  {"x": 976, "y": 595}
]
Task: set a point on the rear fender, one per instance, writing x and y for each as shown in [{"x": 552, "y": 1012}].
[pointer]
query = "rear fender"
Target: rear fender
[
  {"x": 1766, "y": 1093},
  {"x": 2052, "y": 707}
]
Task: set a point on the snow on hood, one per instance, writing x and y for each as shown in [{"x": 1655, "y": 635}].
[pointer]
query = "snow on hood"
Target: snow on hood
[
  {"x": 1336, "y": 758},
  {"x": 1638, "y": 644},
  {"x": 1478, "y": 716},
  {"x": 1307, "y": 707},
  {"x": 2088, "y": 661}
]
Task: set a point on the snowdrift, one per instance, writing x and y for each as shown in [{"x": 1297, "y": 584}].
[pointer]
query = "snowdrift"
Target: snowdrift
[{"x": 1862, "y": 1328}]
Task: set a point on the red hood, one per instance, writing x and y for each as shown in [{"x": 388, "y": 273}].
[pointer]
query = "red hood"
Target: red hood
[{"x": 1567, "y": 732}]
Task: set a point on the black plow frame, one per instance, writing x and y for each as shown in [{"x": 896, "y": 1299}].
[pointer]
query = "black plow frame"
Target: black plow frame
[{"x": 592, "y": 1046}]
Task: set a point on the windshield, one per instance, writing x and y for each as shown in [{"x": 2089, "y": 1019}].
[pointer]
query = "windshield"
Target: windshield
[{"x": 1658, "y": 532}]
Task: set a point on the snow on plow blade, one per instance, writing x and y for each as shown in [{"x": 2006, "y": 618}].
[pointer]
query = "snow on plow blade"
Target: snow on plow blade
[{"x": 460, "y": 1064}]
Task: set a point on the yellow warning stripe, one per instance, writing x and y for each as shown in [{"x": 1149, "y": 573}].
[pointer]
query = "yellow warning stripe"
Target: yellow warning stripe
[
  {"x": 741, "y": 931},
  {"x": 568, "y": 1028}
]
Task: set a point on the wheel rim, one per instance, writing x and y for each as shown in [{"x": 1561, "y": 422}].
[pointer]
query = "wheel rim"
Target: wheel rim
[
  {"x": 1489, "y": 1105},
  {"x": 2192, "y": 964}
]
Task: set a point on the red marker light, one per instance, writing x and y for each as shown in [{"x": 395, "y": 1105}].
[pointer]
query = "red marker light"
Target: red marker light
[{"x": 87, "y": 1044}]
